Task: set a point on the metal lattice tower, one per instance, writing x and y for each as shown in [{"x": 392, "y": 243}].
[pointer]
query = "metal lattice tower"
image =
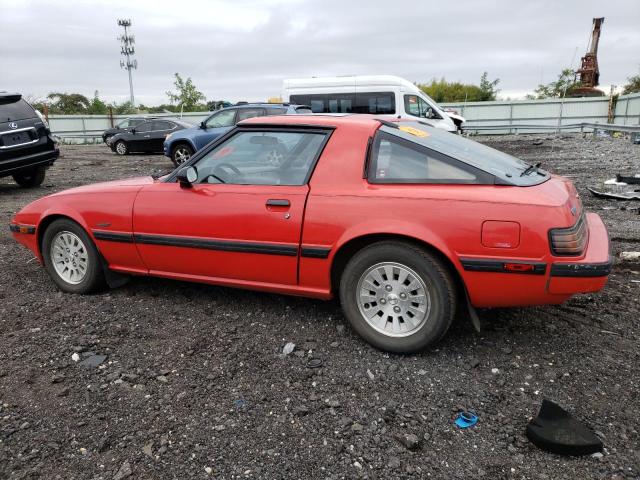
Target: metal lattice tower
[{"x": 127, "y": 49}]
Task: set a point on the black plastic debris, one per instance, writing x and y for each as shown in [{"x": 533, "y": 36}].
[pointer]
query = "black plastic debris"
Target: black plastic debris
[
  {"x": 616, "y": 196},
  {"x": 556, "y": 431},
  {"x": 628, "y": 180}
]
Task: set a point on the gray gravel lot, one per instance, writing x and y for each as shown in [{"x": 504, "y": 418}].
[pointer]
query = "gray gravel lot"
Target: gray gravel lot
[{"x": 194, "y": 384}]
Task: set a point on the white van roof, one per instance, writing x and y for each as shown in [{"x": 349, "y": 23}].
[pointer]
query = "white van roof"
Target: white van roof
[{"x": 351, "y": 81}]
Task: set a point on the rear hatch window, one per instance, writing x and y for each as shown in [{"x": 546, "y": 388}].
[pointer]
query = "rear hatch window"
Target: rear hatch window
[{"x": 12, "y": 111}]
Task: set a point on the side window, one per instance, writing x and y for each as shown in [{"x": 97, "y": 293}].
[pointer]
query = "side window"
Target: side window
[
  {"x": 244, "y": 113},
  {"x": 125, "y": 123},
  {"x": 416, "y": 106},
  {"x": 144, "y": 127},
  {"x": 223, "y": 118},
  {"x": 327, "y": 103},
  {"x": 380, "y": 103},
  {"x": 396, "y": 160},
  {"x": 276, "y": 111},
  {"x": 135, "y": 121},
  {"x": 262, "y": 158},
  {"x": 159, "y": 125}
]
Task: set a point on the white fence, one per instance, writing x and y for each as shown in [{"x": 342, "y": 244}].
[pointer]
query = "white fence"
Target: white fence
[
  {"x": 519, "y": 116},
  {"x": 535, "y": 116}
]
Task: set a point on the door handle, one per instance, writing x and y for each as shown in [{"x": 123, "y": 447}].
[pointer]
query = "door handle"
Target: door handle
[
  {"x": 147, "y": 136},
  {"x": 272, "y": 202}
]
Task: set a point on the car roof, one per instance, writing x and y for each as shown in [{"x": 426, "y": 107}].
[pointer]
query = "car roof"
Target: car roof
[{"x": 321, "y": 120}]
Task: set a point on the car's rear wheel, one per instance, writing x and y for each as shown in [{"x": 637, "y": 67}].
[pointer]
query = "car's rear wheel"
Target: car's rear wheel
[
  {"x": 181, "y": 153},
  {"x": 30, "y": 178},
  {"x": 398, "y": 297},
  {"x": 71, "y": 259},
  {"x": 121, "y": 147}
]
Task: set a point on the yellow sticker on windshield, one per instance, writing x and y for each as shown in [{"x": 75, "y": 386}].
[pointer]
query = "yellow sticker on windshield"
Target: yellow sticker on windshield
[{"x": 414, "y": 131}]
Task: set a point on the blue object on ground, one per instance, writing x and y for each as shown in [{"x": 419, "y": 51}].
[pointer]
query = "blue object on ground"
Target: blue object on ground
[{"x": 466, "y": 419}]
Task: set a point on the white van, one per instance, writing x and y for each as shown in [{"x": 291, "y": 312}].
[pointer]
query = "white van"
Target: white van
[{"x": 375, "y": 94}]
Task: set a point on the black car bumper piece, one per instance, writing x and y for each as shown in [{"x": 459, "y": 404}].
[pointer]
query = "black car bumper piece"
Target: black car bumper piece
[{"x": 13, "y": 165}]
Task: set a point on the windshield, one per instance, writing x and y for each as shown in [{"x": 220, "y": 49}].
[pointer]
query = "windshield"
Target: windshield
[{"x": 509, "y": 169}]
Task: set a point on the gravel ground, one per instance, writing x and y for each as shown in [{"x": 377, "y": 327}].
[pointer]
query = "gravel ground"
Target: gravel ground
[{"x": 195, "y": 385}]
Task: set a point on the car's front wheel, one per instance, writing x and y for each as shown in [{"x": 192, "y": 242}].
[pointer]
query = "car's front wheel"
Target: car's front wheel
[
  {"x": 71, "y": 259},
  {"x": 30, "y": 178},
  {"x": 397, "y": 296},
  {"x": 181, "y": 153},
  {"x": 121, "y": 147}
]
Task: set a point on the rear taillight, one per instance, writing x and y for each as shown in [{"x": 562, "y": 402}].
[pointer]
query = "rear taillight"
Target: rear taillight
[{"x": 569, "y": 241}]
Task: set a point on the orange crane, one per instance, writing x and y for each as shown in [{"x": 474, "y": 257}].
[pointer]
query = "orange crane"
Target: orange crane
[{"x": 589, "y": 72}]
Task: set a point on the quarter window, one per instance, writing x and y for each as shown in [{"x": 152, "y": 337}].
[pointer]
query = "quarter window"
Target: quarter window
[
  {"x": 262, "y": 158},
  {"x": 396, "y": 160},
  {"x": 223, "y": 118}
]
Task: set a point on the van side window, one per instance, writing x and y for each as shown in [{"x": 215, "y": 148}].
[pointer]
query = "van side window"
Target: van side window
[
  {"x": 396, "y": 160},
  {"x": 416, "y": 106},
  {"x": 380, "y": 103}
]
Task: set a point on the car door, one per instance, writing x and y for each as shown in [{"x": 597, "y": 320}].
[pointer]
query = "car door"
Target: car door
[
  {"x": 159, "y": 131},
  {"x": 242, "y": 219},
  {"x": 217, "y": 124},
  {"x": 139, "y": 137}
]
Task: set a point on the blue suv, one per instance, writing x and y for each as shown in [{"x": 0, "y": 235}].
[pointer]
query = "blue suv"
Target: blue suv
[{"x": 180, "y": 145}]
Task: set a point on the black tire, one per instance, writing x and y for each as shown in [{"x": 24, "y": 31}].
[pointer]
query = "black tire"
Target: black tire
[
  {"x": 30, "y": 178},
  {"x": 93, "y": 279},
  {"x": 121, "y": 147},
  {"x": 435, "y": 276},
  {"x": 181, "y": 153}
]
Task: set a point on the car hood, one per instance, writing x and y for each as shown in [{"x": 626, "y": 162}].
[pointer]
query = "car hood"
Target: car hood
[{"x": 114, "y": 185}]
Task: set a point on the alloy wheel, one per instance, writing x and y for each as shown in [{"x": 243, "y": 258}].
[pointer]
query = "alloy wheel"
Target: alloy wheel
[
  {"x": 393, "y": 299},
  {"x": 69, "y": 257}
]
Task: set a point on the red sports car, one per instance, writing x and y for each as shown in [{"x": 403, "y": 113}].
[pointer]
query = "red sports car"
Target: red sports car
[{"x": 404, "y": 222}]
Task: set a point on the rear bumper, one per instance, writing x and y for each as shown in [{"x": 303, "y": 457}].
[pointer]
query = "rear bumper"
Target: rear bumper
[
  {"x": 590, "y": 273},
  {"x": 540, "y": 281},
  {"x": 13, "y": 165}
]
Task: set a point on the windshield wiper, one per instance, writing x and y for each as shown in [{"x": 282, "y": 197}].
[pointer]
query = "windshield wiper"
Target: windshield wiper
[{"x": 531, "y": 169}]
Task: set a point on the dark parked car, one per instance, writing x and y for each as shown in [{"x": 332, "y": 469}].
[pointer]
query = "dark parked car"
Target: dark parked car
[
  {"x": 147, "y": 136},
  {"x": 179, "y": 147},
  {"x": 26, "y": 145},
  {"x": 124, "y": 125}
]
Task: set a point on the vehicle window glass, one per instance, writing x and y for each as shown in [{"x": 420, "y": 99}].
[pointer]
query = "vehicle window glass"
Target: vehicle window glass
[
  {"x": 162, "y": 125},
  {"x": 381, "y": 103},
  {"x": 223, "y": 118},
  {"x": 144, "y": 127},
  {"x": 303, "y": 110},
  {"x": 244, "y": 113},
  {"x": 125, "y": 123},
  {"x": 396, "y": 160},
  {"x": 276, "y": 111},
  {"x": 12, "y": 111},
  {"x": 135, "y": 121},
  {"x": 262, "y": 158},
  {"x": 418, "y": 107},
  {"x": 327, "y": 103}
]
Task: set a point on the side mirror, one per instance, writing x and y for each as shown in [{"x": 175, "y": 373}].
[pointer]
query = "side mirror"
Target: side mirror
[
  {"x": 133, "y": 131},
  {"x": 429, "y": 113},
  {"x": 203, "y": 125},
  {"x": 187, "y": 176}
]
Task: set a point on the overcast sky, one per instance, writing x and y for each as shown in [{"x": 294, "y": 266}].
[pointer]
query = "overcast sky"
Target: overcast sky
[{"x": 242, "y": 49}]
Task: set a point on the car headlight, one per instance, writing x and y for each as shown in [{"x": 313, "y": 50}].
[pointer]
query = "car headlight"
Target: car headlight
[{"x": 167, "y": 136}]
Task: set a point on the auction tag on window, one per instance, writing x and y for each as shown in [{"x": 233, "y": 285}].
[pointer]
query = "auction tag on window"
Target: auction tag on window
[{"x": 414, "y": 131}]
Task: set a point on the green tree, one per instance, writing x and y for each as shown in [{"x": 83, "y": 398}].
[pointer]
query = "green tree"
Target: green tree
[
  {"x": 562, "y": 87},
  {"x": 444, "y": 91},
  {"x": 633, "y": 85},
  {"x": 68, "y": 103},
  {"x": 124, "y": 108},
  {"x": 488, "y": 90},
  {"x": 97, "y": 106},
  {"x": 188, "y": 97}
]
